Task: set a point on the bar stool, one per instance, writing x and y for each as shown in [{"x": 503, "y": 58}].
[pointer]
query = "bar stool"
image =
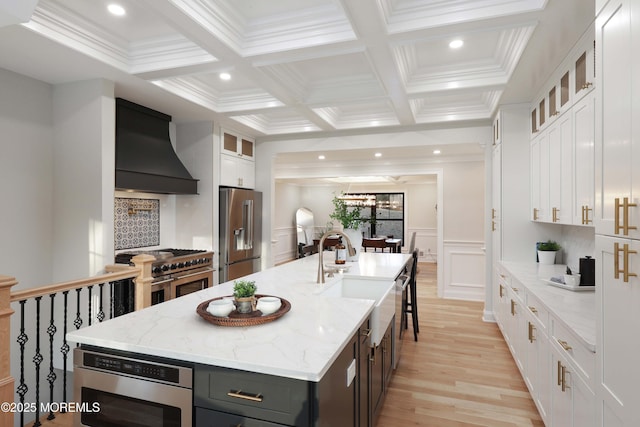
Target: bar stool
[{"x": 411, "y": 302}]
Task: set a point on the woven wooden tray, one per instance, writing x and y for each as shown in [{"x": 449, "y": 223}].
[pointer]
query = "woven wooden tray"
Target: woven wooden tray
[{"x": 238, "y": 319}]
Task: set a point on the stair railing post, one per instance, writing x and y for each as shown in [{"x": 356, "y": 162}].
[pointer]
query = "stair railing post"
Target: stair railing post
[
  {"x": 7, "y": 383},
  {"x": 143, "y": 280}
]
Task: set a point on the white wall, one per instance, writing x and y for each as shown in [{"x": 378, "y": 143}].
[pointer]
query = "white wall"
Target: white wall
[
  {"x": 26, "y": 185},
  {"x": 194, "y": 213},
  {"x": 83, "y": 176}
]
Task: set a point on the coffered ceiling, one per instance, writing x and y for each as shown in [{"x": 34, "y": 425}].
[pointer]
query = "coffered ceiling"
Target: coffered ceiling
[{"x": 303, "y": 66}]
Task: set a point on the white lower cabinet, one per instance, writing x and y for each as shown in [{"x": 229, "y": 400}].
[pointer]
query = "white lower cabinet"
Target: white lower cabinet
[
  {"x": 538, "y": 364},
  {"x": 618, "y": 302},
  {"x": 572, "y": 397},
  {"x": 557, "y": 368}
]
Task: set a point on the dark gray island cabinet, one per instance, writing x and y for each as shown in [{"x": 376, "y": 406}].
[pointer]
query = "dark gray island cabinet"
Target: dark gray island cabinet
[{"x": 230, "y": 397}]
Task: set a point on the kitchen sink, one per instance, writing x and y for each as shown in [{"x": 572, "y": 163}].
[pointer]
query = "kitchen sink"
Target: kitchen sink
[{"x": 379, "y": 290}]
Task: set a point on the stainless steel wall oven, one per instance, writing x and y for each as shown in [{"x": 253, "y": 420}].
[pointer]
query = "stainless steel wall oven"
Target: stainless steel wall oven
[{"x": 125, "y": 391}]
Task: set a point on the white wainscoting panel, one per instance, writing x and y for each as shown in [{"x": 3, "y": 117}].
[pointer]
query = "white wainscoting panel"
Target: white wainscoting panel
[
  {"x": 426, "y": 242},
  {"x": 464, "y": 266},
  {"x": 284, "y": 246}
]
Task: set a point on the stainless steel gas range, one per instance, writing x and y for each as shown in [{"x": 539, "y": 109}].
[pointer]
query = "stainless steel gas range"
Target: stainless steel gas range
[{"x": 175, "y": 272}]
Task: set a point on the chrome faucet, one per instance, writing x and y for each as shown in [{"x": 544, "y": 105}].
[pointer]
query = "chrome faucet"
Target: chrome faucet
[{"x": 350, "y": 250}]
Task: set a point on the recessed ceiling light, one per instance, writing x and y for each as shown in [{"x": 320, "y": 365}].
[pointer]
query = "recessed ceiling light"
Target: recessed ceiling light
[
  {"x": 321, "y": 157},
  {"x": 378, "y": 154},
  {"x": 225, "y": 76},
  {"x": 456, "y": 44},
  {"x": 436, "y": 151},
  {"x": 116, "y": 9}
]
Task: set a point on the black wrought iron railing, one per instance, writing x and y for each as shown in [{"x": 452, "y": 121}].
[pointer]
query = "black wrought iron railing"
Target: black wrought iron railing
[{"x": 40, "y": 352}]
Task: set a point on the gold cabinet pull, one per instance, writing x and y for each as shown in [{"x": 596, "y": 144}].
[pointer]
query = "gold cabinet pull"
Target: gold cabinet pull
[
  {"x": 554, "y": 215},
  {"x": 625, "y": 262},
  {"x": 564, "y": 371},
  {"x": 239, "y": 394},
  {"x": 587, "y": 85},
  {"x": 625, "y": 227},
  {"x": 513, "y": 308},
  {"x": 493, "y": 225},
  {"x": 627, "y": 251},
  {"x": 516, "y": 289},
  {"x": 533, "y": 309},
  {"x": 493, "y": 213},
  {"x": 501, "y": 291},
  {"x": 535, "y": 214},
  {"x": 585, "y": 215},
  {"x": 366, "y": 333},
  {"x": 532, "y": 329},
  {"x": 564, "y": 345},
  {"x": 559, "y": 373}
]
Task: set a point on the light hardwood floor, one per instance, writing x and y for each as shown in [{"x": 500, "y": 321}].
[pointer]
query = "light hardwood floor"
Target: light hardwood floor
[{"x": 459, "y": 373}]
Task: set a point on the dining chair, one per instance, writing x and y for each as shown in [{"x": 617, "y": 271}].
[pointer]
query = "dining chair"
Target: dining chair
[{"x": 375, "y": 244}]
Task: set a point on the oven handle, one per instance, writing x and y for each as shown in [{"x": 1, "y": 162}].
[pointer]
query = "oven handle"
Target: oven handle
[
  {"x": 186, "y": 276},
  {"x": 162, "y": 282}
]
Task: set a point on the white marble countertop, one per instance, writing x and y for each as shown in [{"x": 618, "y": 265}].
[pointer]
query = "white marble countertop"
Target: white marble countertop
[
  {"x": 302, "y": 344},
  {"x": 576, "y": 310}
]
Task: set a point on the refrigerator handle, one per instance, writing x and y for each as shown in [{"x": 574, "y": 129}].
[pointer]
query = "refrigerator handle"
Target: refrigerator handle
[{"x": 247, "y": 219}]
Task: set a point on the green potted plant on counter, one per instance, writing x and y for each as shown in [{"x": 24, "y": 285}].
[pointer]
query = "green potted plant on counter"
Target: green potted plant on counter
[
  {"x": 244, "y": 293},
  {"x": 547, "y": 252},
  {"x": 349, "y": 217}
]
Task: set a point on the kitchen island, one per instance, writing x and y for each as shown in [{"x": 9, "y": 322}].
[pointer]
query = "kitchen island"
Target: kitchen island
[{"x": 302, "y": 345}]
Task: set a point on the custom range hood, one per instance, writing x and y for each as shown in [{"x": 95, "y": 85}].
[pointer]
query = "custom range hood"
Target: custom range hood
[{"x": 145, "y": 159}]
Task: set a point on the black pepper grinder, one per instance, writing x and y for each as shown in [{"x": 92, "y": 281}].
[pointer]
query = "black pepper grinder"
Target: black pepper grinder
[{"x": 587, "y": 271}]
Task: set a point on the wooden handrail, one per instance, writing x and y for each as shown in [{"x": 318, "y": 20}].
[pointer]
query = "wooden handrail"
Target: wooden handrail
[{"x": 129, "y": 273}]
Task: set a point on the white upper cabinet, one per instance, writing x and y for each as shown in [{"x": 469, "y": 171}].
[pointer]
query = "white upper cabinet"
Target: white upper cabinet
[
  {"x": 237, "y": 162},
  {"x": 583, "y": 125},
  {"x": 562, "y": 147},
  {"x": 552, "y": 173},
  {"x": 561, "y": 170},
  {"x": 584, "y": 70},
  {"x": 618, "y": 152},
  {"x": 573, "y": 79},
  {"x": 237, "y": 145}
]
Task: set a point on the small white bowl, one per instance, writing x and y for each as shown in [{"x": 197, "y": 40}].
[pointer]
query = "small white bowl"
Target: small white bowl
[
  {"x": 268, "y": 305},
  {"x": 572, "y": 279},
  {"x": 220, "y": 307}
]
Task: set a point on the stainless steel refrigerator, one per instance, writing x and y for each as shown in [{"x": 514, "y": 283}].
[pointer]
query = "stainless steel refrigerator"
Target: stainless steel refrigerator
[{"x": 240, "y": 232}]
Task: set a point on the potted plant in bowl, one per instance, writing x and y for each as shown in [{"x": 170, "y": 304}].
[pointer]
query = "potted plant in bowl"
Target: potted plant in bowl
[
  {"x": 349, "y": 217},
  {"x": 547, "y": 251},
  {"x": 244, "y": 293}
]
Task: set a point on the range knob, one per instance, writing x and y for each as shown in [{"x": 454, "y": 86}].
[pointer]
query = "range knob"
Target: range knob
[
  {"x": 181, "y": 265},
  {"x": 188, "y": 263},
  {"x": 173, "y": 266},
  {"x": 156, "y": 270},
  {"x": 165, "y": 267}
]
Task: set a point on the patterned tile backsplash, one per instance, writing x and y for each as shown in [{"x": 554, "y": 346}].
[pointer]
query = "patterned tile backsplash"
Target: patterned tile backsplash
[{"x": 137, "y": 223}]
